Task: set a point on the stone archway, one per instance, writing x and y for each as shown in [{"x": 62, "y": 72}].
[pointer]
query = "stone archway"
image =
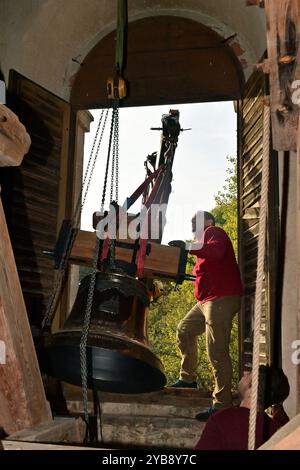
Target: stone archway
[
  {"x": 169, "y": 59},
  {"x": 65, "y": 37}
]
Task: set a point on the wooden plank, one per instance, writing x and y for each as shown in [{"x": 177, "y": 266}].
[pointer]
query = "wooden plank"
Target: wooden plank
[
  {"x": 97, "y": 217},
  {"x": 251, "y": 213},
  {"x": 167, "y": 396},
  {"x": 290, "y": 442},
  {"x": 22, "y": 399},
  {"x": 40, "y": 186},
  {"x": 15, "y": 445},
  {"x": 249, "y": 174},
  {"x": 163, "y": 260},
  {"x": 283, "y": 40},
  {"x": 286, "y": 438},
  {"x": 58, "y": 430},
  {"x": 148, "y": 414}
]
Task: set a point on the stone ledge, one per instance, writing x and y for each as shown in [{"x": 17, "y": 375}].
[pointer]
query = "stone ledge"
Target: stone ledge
[{"x": 151, "y": 431}]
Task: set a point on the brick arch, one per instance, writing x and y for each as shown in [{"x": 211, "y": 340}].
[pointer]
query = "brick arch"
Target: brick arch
[{"x": 170, "y": 59}]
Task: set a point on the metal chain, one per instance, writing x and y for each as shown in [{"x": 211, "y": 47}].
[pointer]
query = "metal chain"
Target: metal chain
[
  {"x": 115, "y": 159},
  {"x": 112, "y": 178},
  {"x": 108, "y": 160},
  {"x": 87, "y": 315},
  {"x": 79, "y": 203},
  {"x": 94, "y": 162},
  {"x": 85, "y": 332},
  {"x": 61, "y": 272},
  {"x": 52, "y": 301},
  {"x": 116, "y": 148}
]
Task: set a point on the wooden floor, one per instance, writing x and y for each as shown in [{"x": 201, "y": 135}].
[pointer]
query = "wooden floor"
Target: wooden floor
[
  {"x": 15, "y": 445},
  {"x": 163, "y": 419}
]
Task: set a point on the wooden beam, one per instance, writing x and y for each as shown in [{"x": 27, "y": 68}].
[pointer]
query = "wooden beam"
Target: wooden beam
[
  {"x": 22, "y": 399},
  {"x": 163, "y": 260},
  {"x": 283, "y": 41},
  {"x": 298, "y": 254},
  {"x": 15, "y": 445},
  {"x": 59, "y": 430},
  {"x": 14, "y": 140},
  {"x": 170, "y": 396},
  {"x": 286, "y": 438}
]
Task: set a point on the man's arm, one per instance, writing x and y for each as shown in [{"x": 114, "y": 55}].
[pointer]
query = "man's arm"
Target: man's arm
[{"x": 213, "y": 247}]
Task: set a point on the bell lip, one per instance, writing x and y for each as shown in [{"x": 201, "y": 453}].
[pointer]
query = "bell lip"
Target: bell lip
[
  {"x": 127, "y": 346},
  {"x": 133, "y": 367},
  {"x": 109, "y": 370}
]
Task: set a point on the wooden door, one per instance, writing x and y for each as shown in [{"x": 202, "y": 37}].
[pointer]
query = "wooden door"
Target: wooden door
[
  {"x": 249, "y": 176},
  {"x": 39, "y": 194}
]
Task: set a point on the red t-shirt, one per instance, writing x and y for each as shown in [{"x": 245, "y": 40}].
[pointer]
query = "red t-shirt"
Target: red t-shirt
[
  {"x": 227, "y": 429},
  {"x": 216, "y": 270}
]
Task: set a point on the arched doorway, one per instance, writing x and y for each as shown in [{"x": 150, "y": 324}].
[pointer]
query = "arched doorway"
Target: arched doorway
[{"x": 170, "y": 60}]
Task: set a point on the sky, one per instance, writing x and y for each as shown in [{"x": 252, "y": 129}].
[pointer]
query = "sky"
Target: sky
[{"x": 199, "y": 169}]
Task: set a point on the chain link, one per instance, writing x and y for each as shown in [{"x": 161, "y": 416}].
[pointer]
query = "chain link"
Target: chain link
[
  {"x": 79, "y": 204},
  {"x": 108, "y": 160},
  {"x": 90, "y": 298},
  {"x": 94, "y": 162},
  {"x": 85, "y": 332},
  {"x": 115, "y": 159},
  {"x": 52, "y": 301},
  {"x": 61, "y": 272},
  {"x": 116, "y": 150},
  {"x": 112, "y": 180},
  {"x": 114, "y": 138}
]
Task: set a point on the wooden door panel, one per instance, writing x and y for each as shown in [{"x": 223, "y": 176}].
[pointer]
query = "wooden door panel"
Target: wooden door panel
[{"x": 39, "y": 190}]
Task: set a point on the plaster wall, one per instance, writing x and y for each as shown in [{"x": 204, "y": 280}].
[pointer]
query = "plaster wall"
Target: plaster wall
[{"x": 46, "y": 40}]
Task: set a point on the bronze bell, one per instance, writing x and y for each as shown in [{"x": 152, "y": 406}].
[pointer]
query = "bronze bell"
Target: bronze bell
[{"x": 118, "y": 357}]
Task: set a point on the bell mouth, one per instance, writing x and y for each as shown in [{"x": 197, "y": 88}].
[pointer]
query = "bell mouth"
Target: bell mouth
[{"x": 117, "y": 366}]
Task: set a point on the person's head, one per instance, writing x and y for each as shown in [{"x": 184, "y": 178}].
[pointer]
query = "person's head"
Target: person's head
[
  {"x": 273, "y": 386},
  {"x": 201, "y": 220}
]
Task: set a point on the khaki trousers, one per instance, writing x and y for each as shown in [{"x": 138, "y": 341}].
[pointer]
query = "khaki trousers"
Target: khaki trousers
[{"x": 214, "y": 318}]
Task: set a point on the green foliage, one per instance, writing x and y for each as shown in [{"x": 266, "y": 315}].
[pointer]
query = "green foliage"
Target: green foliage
[
  {"x": 166, "y": 313},
  {"x": 225, "y": 210}
]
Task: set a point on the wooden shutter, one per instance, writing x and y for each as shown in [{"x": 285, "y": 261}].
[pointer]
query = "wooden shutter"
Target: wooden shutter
[
  {"x": 39, "y": 189},
  {"x": 249, "y": 176}
]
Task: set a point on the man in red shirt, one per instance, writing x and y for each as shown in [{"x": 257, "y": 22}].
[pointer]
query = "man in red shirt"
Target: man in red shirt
[
  {"x": 228, "y": 428},
  {"x": 218, "y": 289}
]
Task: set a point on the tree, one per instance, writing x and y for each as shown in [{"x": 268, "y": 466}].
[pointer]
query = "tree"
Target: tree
[
  {"x": 225, "y": 210},
  {"x": 166, "y": 313}
]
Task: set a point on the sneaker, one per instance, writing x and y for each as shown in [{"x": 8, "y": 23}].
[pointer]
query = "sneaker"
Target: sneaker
[
  {"x": 205, "y": 414},
  {"x": 181, "y": 384}
]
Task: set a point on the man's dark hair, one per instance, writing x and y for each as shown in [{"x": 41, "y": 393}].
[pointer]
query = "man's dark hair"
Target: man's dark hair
[
  {"x": 209, "y": 216},
  {"x": 273, "y": 386}
]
